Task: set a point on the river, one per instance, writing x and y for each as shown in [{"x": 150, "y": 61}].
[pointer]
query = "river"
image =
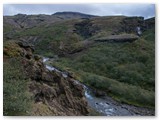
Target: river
[{"x": 105, "y": 105}]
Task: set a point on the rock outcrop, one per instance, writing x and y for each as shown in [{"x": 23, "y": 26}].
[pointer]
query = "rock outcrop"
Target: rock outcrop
[
  {"x": 118, "y": 38},
  {"x": 52, "y": 93},
  {"x": 129, "y": 24},
  {"x": 85, "y": 28}
]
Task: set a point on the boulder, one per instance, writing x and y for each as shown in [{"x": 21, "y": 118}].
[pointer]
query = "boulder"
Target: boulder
[{"x": 99, "y": 93}]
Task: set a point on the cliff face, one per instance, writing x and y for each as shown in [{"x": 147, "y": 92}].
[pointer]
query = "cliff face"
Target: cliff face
[
  {"x": 52, "y": 94},
  {"x": 129, "y": 24}
]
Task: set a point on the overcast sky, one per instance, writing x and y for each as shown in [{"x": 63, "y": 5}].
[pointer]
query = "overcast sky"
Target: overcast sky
[{"x": 145, "y": 10}]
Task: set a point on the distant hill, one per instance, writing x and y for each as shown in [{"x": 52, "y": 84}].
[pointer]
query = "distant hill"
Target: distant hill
[
  {"x": 29, "y": 21},
  {"x": 72, "y": 15}
]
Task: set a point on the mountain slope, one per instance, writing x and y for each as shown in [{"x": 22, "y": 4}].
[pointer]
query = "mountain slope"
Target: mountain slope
[
  {"x": 106, "y": 53},
  {"x": 65, "y": 36}
]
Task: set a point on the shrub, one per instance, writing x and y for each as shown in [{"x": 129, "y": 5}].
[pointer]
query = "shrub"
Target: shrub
[{"x": 121, "y": 91}]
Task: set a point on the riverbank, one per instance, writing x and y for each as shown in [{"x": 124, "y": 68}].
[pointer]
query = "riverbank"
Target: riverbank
[{"x": 106, "y": 105}]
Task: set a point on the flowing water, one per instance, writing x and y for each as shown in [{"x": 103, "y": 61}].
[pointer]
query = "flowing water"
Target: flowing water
[{"x": 106, "y": 105}]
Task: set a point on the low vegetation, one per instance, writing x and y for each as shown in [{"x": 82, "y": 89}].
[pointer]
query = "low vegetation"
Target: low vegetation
[
  {"x": 120, "y": 91},
  {"x": 126, "y": 70},
  {"x": 53, "y": 39},
  {"x": 16, "y": 99},
  {"x": 11, "y": 49}
]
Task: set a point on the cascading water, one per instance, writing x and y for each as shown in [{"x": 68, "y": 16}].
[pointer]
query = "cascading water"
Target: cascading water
[{"x": 138, "y": 29}]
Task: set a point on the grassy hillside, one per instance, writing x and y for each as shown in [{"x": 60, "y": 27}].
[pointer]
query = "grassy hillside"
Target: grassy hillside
[
  {"x": 51, "y": 37},
  {"x": 63, "y": 37},
  {"x": 124, "y": 70}
]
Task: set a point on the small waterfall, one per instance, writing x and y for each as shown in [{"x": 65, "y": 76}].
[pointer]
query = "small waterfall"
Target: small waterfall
[{"x": 138, "y": 30}]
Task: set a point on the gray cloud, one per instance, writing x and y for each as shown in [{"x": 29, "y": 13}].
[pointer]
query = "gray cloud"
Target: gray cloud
[{"x": 145, "y": 10}]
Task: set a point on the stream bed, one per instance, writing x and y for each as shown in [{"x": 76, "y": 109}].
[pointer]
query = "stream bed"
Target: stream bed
[{"x": 106, "y": 105}]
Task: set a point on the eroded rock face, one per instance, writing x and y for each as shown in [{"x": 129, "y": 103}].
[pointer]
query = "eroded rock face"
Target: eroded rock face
[
  {"x": 56, "y": 95},
  {"x": 129, "y": 24},
  {"x": 86, "y": 28},
  {"x": 62, "y": 96},
  {"x": 118, "y": 38}
]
